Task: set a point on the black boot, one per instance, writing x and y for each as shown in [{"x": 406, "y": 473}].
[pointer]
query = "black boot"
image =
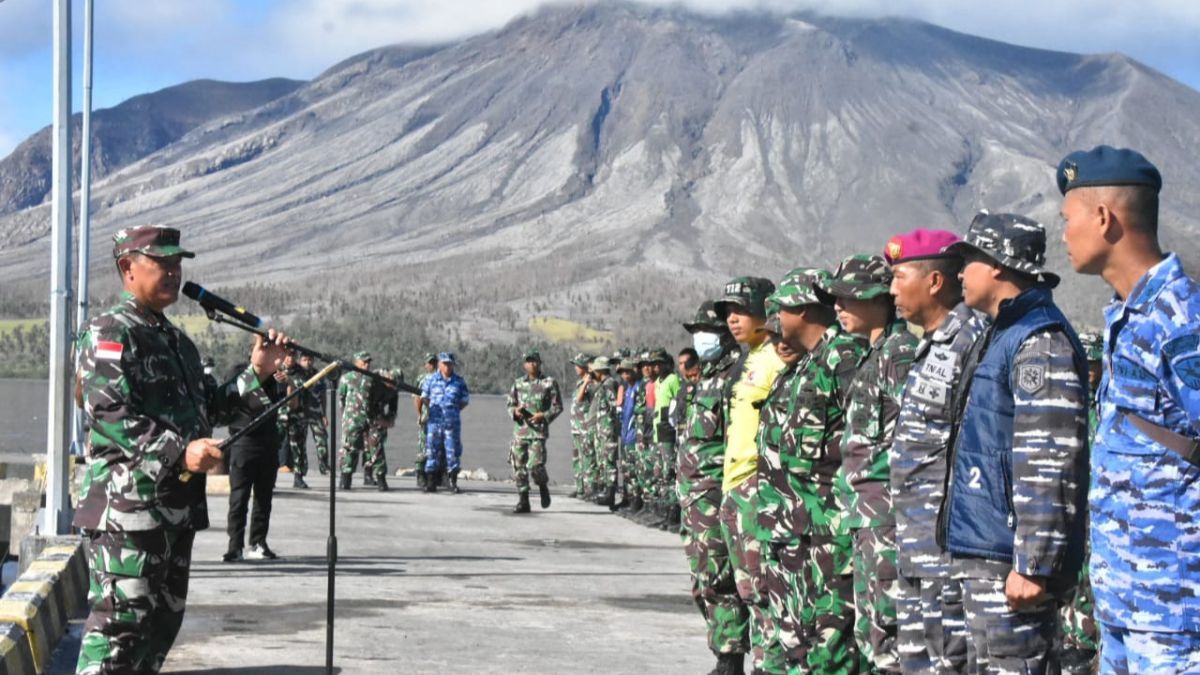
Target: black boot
[
  {"x": 522, "y": 503},
  {"x": 368, "y": 479},
  {"x": 454, "y": 482},
  {"x": 623, "y": 502},
  {"x": 671, "y": 522},
  {"x": 298, "y": 482},
  {"x": 344, "y": 482},
  {"x": 611, "y": 499},
  {"x": 421, "y": 480},
  {"x": 544, "y": 492},
  {"x": 381, "y": 484},
  {"x": 323, "y": 468},
  {"x": 637, "y": 505},
  {"x": 729, "y": 664},
  {"x": 430, "y": 484}
]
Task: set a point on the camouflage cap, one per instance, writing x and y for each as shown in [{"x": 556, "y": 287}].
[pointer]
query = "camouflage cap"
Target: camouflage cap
[
  {"x": 1013, "y": 241},
  {"x": 152, "y": 240},
  {"x": 430, "y": 357},
  {"x": 860, "y": 277},
  {"x": 630, "y": 364},
  {"x": 362, "y": 356},
  {"x": 601, "y": 363},
  {"x": 706, "y": 319},
  {"x": 445, "y": 357},
  {"x": 532, "y": 355},
  {"x": 799, "y": 287},
  {"x": 660, "y": 355},
  {"x": 582, "y": 360},
  {"x": 1093, "y": 345},
  {"x": 772, "y": 326},
  {"x": 749, "y": 293}
]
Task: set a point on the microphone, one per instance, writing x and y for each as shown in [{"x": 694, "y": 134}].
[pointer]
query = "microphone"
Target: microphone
[{"x": 211, "y": 301}]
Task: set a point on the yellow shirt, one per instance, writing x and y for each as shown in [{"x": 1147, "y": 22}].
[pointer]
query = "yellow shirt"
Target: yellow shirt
[{"x": 741, "y": 447}]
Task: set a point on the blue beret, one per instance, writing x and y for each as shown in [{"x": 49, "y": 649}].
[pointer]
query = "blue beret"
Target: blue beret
[{"x": 1106, "y": 165}]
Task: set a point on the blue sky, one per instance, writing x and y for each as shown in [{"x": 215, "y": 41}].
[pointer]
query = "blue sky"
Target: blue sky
[{"x": 145, "y": 45}]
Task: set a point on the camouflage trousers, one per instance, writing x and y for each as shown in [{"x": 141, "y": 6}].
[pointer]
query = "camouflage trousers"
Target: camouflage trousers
[
  {"x": 713, "y": 588},
  {"x": 605, "y": 456},
  {"x": 633, "y": 463},
  {"x": 354, "y": 444},
  {"x": 374, "y": 457},
  {"x": 320, "y": 436},
  {"x": 578, "y": 461},
  {"x": 137, "y": 592},
  {"x": 664, "y": 470},
  {"x": 739, "y": 527},
  {"x": 875, "y": 590},
  {"x": 527, "y": 456},
  {"x": 824, "y": 602},
  {"x": 1003, "y": 641},
  {"x": 1123, "y": 652},
  {"x": 297, "y": 439},
  {"x": 783, "y": 578},
  {"x": 1080, "y": 634},
  {"x": 422, "y": 434},
  {"x": 931, "y": 628},
  {"x": 443, "y": 447}
]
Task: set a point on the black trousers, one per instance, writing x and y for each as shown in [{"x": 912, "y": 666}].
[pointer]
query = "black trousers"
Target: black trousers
[{"x": 251, "y": 474}]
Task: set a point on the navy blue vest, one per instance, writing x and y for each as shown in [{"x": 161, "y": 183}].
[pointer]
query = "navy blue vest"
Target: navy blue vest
[{"x": 978, "y": 515}]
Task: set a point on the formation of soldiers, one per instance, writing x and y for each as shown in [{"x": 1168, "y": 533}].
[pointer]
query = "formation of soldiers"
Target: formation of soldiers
[{"x": 885, "y": 467}]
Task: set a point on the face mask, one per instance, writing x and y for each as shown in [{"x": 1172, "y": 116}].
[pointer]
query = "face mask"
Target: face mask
[{"x": 707, "y": 345}]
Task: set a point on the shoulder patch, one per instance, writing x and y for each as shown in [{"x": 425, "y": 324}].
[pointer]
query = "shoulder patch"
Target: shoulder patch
[
  {"x": 1031, "y": 377},
  {"x": 1188, "y": 370},
  {"x": 109, "y": 350}
]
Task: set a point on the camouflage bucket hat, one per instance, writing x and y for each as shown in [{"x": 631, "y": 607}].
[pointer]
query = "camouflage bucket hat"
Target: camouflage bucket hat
[
  {"x": 799, "y": 288},
  {"x": 860, "y": 277},
  {"x": 1013, "y": 241},
  {"x": 749, "y": 293},
  {"x": 152, "y": 240},
  {"x": 706, "y": 319},
  {"x": 630, "y": 364},
  {"x": 582, "y": 360},
  {"x": 601, "y": 363},
  {"x": 1093, "y": 345}
]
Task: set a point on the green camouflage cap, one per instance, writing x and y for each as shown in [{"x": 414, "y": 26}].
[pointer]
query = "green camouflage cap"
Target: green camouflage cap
[
  {"x": 772, "y": 326},
  {"x": 430, "y": 357},
  {"x": 532, "y": 355},
  {"x": 362, "y": 356},
  {"x": 660, "y": 355},
  {"x": 582, "y": 360},
  {"x": 860, "y": 277},
  {"x": 630, "y": 364},
  {"x": 799, "y": 288},
  {"x": 749, "y": 293},
  {"x": 706, "y": 319},
  {"x": 1093, "y": 345},
  {"x": 601, "y": 363},
  {"x": 1013, "y": 241},
  {"x": 152, "y": 240}
]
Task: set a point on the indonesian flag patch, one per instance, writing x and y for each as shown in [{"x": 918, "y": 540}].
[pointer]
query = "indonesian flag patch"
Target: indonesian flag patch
[{"x": 110, "y": 351}]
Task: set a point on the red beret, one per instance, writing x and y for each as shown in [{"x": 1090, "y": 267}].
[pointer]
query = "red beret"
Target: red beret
[{"x": 920, "y": 244}]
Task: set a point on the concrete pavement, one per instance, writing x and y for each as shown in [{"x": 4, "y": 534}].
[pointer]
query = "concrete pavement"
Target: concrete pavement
[{"x": 443, "y": 583}]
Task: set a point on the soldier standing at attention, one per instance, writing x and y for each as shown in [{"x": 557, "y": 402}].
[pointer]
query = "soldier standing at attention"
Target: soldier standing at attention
[
  {"x": 294, "y": 419},
  {"x": 743, "y": 307},
  {"x": 354, "y": 396},
  {"x": 606, "y": 431},
  {"x": 149, "y": 414},
  {"x": 808, "y": 561},
  {"x": 1013, "y": 520},
  {"x": 579, "y": 413},
  {"x": 384, "y": 404},
  {"x": 313, "y": 402},
  {"x": 1145, "y": 496},
  {"x": 666, "y": 388},
  {"x": 423, "y": 420},
  {"x": 931, "y": 630},
  {"x": 445, "y": 394},
  {"x": 701, "y": 467},
  {"x": 533, "y": 403},
  {"x": 865, "y": 308},
  {"x": 633, "y": 416}
]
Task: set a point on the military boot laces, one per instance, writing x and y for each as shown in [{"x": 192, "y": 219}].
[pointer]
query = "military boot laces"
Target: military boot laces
[
  {"x": 544, "y": 493},
  {"x": 522, "y": 503}
]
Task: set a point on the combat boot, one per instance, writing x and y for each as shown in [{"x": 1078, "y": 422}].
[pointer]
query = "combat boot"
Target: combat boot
[
  {"x": 381, "y": 484},
  {"x": 421, "y": 479},
  {"x": 322, "y": 468},
  {"x": 636, "y": 507},
  {"x": 431, "y": 485},
  {"x": 454, "y": 482},
  {"x": 522, "y": 503},
  {"x": 729, "y": 664},
  {"x": 298, "y": 482},
  {"x": 368, "y": 479},
  {"x": 604, "y": 497},
  {"x": 674, "y": 516},
  {"x": 344, "y": 482},
  {"x": 544, "y": 492},
  {"x": 610, "y": 499},
  {"x": 623, "y": 503}
]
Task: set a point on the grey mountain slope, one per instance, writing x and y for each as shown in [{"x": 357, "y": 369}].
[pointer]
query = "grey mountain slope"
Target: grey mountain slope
[
  {"x": 534, "y": 162},
  {"x": 129, "y": 131}
]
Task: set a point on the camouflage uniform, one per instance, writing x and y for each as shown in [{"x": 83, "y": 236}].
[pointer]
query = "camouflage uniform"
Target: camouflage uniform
[
  {"x": 422, "y": 423},
  {"x": 528, "y": 453},
  {"x": 700, "y": 470},
  {"x": 1018, "y": 466},
  {"x": 862, "y": 487},
  {"x": 605, "y": 430},
  {"x": 354, "y": 397},
  {"x": 384, "y": 404},
  {"x": 444, "y": 398},
  {"x": 663, "y": 442},
  {"x": 931, "y": 626},
  {"x": 313, "y": 404},
  {"x": 579, "y": 413},
  {"x": 294, "y": 423},
  {"x": 809, "y": 569},
  {"x": 145, "y": 398}
]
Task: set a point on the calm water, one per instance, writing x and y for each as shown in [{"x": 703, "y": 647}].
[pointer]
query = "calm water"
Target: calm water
[{"x": 486, "y": 432}]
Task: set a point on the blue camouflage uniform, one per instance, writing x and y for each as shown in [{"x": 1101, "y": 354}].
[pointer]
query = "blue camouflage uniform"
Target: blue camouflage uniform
[
  {"x": 1145, "y": 497},
  {"x": 446, "y": 398}
]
